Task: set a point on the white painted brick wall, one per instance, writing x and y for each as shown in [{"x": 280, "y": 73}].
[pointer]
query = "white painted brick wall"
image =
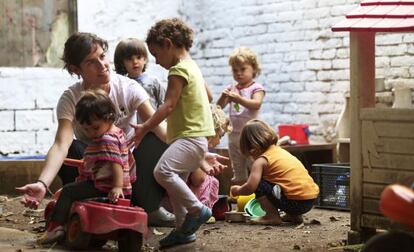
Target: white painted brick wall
[
  {"x": 29, "y": 97},
  {"x": 7, "y": 120},
  {"x": 34, "y": 120},
  {"x": 22, "y": 142},
  {"x": 305, "y": 65}
]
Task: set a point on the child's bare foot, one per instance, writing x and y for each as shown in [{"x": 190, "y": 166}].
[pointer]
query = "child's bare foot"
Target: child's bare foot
[
  {"x": 266, "y": 220},
  {"x": 297, "y": 219}
]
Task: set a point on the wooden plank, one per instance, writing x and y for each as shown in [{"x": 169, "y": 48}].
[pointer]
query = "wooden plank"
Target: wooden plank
[
  {"x": 395, "y": 129},
  {"x": 20, "y": 172},
  {"x": 381, "y": 222},
  {"x": 387, "y": 114},
  {"x": 387, "y": 176},
  {"x": 396, "y": 145},
  {"x": 372, "y": 191},
  {"x": 371, "y": 206},
  {"x": 390, "y": 161},
  {"x": 224, "y": 177},
  {"x": 375, "y": 221},
  {"x": 310, "y": 147},
  {"x": 362, "y": 94}
]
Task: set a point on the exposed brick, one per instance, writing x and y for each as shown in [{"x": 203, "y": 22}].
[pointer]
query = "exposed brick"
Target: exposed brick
[
  {"x": 319, "y": 64},
  {"x": 17, "y": 141},
  {"x": 27, "y": 120},
  {"x": 318, "y": 86},
  {"x": 387, "y": 50},
  {"x": 7, "y": 121},
  {"x": 303, "y": 61}
]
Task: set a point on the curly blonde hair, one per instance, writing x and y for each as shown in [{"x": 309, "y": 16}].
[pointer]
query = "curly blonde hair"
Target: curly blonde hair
[
  {"x": 244, "y": 55},
  {"x": 222, "y": 123}
]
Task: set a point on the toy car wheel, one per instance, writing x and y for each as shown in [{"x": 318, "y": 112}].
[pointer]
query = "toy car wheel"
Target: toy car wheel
[
  {"x": 129, "y": 240},
  {"x": 75, "y": 238}
]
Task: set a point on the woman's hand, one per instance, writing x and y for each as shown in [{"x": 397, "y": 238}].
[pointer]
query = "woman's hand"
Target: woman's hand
[
  {"x": 115, "y": 194},
  {"x": 139, "y": 134},
  {"x": 33, "y": 194}
]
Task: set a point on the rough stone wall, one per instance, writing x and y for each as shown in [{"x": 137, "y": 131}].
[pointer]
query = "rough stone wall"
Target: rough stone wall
[{"x": 305, "y": 65}]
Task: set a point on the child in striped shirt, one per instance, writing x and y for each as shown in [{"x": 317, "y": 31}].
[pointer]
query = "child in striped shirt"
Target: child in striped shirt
[{"x": 109, "y": 167}]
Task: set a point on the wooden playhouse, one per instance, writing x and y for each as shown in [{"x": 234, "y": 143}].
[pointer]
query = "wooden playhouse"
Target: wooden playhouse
[{"x": 382, "y": 139}]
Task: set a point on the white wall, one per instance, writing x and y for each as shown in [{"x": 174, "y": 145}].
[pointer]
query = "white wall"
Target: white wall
[
  {"x": 27, "y": 110},
  {"x": 305, "y": 65},
  {"x": 116, "y": 20}
]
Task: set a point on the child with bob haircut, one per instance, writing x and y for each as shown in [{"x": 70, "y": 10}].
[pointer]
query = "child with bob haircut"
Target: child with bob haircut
[
  {"x": 189, "y": 124},
  {"x": 130, "y": 59},
  {"x": 279, "y": 179},
  {"x": 108, "y": 169},
  {"x": 245, "y": 98}
]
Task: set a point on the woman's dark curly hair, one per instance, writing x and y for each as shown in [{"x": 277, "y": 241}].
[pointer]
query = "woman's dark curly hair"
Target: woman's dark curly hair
[
  {"x": 78, "y": 46},
  {"x": 174, "y": 29},
  {"x": 125, "y": 50},
  {"x": 94, "y": 105}
]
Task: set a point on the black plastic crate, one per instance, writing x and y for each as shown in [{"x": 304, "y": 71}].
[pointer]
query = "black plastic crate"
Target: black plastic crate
[{"x": 333, "y": 181}]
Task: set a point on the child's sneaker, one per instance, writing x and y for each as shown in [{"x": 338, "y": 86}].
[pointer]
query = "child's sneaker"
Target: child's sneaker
[
  {"x": 277, "y": 192},
  {"x": 191, "y": 223},
  {"x": 53, "y": 233},
  {"x": 175, "y": 237}
]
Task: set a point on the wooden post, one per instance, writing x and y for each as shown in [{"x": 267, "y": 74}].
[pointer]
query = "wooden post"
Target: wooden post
[{"x": 362, "y": 70}]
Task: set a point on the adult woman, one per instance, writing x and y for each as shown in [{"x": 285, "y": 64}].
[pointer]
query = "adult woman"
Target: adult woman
[{"x": 84, "y": 55}]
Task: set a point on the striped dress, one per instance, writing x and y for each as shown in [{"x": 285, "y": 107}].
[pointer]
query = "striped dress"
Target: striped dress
[{"x": 109, "y": 148}]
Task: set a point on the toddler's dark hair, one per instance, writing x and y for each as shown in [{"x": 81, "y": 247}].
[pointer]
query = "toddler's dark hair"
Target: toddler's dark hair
[
  {"x": 125, "y": 50},
  {"x": 256, "y": 137},
  {"x": 95, "y": 105},
  {"x": 174, "y": 29},
  {"x": 78, "y": 46}
]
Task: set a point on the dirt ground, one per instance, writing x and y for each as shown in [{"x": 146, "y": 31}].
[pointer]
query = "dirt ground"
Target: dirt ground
[{"x": 323, "y": 230}]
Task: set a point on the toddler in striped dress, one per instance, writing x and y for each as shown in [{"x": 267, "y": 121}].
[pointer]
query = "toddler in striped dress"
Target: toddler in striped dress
[{"x": 109, "y": 167}]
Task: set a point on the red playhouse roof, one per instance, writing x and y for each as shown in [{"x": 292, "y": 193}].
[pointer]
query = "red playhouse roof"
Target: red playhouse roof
[{"x": 379, "y": 16}]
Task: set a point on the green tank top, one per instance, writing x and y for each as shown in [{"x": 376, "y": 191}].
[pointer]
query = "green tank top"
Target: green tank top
[{"x": 192, "y": 115}]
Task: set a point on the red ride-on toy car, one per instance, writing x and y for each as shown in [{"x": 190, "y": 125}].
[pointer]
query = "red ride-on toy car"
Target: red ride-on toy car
[{"x": 92, "y": 222}]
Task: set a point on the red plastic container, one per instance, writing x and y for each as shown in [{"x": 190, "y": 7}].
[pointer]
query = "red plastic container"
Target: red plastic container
[
  {"x": 297, "y": 132},
  {"x": 221, "y": 207}
]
